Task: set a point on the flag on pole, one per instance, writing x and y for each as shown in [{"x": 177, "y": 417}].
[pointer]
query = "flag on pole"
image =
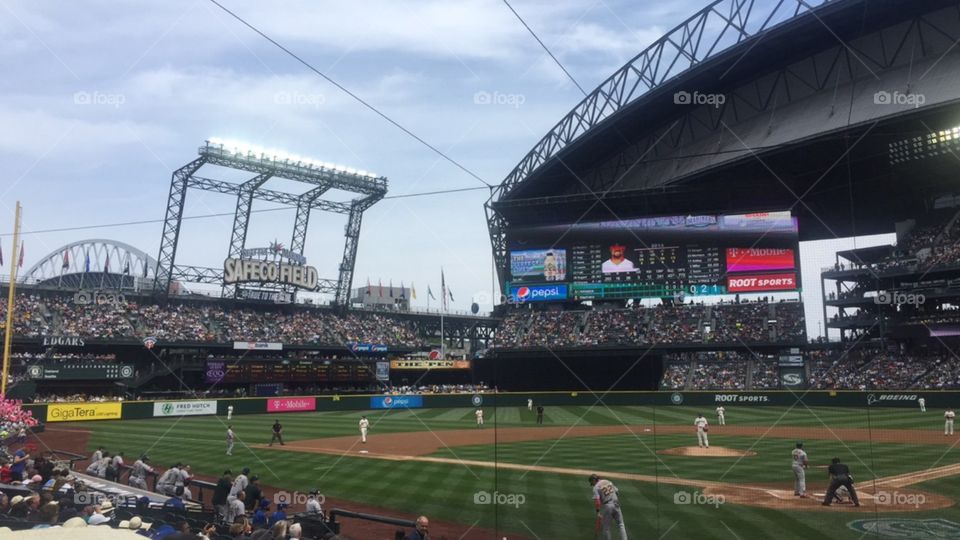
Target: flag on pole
[
  {"x": 126, "y": 268},
  {"x": 380, "y": 287},
  {"x": 443, "y": 290},
  {"x": 1, "y": 255},
  {"x": 106, "y": 265},
  {"x": 66, "y": 260},
  {"x": 413, "y": 291},
  {"x": 430, "y": 293},
  {"x": 144, "y": 268},
  {"x": 391, "y": 288},
  {"x": 450, "y": 293},
  {"x": 20, "y": 262},
  {"x": 86, "y": 263},
  {"x": 369, "y": 289},
  {"x": 403, "y": 293}
]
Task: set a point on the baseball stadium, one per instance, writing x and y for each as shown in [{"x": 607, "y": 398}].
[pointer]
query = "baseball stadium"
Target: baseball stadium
[{"x": 726, "y": 306}]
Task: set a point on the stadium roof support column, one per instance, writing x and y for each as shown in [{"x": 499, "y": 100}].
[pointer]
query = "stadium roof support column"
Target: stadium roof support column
[
  {"x": 302, "y": 220},
  {"x": 171, "y": 225},
  {"x": 352, "y": 234},
  {"x": 241, "y": 221}
]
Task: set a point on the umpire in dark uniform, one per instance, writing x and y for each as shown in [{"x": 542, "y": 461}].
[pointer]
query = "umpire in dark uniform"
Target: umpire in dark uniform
[{"x": 839, "y": 476}]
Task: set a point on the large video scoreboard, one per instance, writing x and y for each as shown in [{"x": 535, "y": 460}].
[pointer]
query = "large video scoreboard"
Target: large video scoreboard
[{"x": 655, "y": 257}]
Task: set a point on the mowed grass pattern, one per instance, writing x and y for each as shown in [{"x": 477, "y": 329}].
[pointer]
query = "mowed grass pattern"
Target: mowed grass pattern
[{"x": 555, "y": 505}]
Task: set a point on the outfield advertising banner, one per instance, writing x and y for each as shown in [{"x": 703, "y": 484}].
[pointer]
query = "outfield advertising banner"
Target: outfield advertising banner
[
  {"x": 396, "y": 402},
  {"x": 256, "y": 346},
  {"x": 184, "y": 408},
  {"x": 79, "y": 412},
  {"x": 300, "y": 404}
]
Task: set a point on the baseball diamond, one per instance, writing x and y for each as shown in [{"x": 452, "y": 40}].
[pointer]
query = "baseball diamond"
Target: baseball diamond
[{"x": 748, "y": 488}]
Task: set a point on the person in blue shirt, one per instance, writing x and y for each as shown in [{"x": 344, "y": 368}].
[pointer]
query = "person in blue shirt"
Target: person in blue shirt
[
  {"x": 176, "y": 502},
  {"x": 279, "y": 515},
  {"x": 19, "y": 465},
  {"x": 260, "y": 516}
]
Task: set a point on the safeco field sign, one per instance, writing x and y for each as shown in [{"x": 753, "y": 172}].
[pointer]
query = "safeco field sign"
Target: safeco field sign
[
  {"x": 78, "y": 412},
  {"x": 184, "y": 408}
]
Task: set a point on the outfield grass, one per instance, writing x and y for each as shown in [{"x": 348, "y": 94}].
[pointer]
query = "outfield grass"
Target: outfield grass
[{"x": 557, "y": 506}]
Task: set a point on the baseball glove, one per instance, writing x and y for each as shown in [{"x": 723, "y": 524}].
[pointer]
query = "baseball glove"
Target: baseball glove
[{"x": 706, "y": 429}]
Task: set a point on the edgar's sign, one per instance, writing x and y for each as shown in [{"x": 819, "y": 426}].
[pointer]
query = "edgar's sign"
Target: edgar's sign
[{"x": 249, "y": 270}]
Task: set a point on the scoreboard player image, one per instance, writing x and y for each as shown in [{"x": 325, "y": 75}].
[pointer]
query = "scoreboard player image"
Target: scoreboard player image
[
  {"x": 618, "y": 262},
  {"x": 539, "y": 265}
]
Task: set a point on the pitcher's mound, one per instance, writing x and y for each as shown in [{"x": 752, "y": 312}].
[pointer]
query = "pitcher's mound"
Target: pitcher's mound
[{"x": 713, "y": 451}]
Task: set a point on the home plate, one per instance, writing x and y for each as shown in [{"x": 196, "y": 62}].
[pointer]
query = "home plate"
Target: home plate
[{"x": 364, "y": 452}]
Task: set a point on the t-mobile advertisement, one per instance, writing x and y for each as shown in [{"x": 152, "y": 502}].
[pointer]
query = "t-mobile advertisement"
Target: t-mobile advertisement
[
  {"x": 299, "y": 404},
  {"x": 767, "y": 282},
  {"x": 759, "y": 259}
]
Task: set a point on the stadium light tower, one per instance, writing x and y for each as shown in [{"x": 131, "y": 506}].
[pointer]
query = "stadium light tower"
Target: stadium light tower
[{"x": 265, "y": 164}]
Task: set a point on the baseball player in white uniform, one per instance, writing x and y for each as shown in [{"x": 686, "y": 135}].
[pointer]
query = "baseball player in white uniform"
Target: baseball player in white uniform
[
  {"x": 229, "y": 412},
  {"x": 799, "y": 465},
  {"x": 231, "y": 436},
  {"x": 923, "y": 404},
  {"x": 529, "y": 404},
  {"x": 607, "y": 503},
  {"x": 721, "y": 420},
  {"x": 948, "y": 421},
  {"x": 364, "y": 426},
  {"x": 167, "y": 483},
  {"x": 479, "y": 414},
  {"x": 702, "y": 429}
]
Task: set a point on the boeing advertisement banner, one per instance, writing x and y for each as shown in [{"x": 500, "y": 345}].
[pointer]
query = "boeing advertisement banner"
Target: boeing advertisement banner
[
  {"x": 538, "y": 293},
  {"x": 396, "y": 402}
]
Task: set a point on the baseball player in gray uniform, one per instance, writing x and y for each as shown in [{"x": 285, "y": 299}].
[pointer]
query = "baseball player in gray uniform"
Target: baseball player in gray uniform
[
  {"x": 607, "y": 503},
  {"x": 799, "y": 466},
  {"x": 139, "y": 472}
]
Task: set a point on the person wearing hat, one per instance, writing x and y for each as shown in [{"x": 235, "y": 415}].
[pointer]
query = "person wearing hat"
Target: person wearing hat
[
  {"x": 240, "y": 482},
  {"x": 260, "y": 517},
  {"x": 176, "y": 502},
  {"x": 220, "y": 494},
  {"x": 138, "y": 473},
  {"x": 102, "y": 513},
  {"x": 279, "y": 515},
  {"x": 313, "y": 505},
  {"x": 167, "y": 483},
  {"x": 839, "y": 476},
  {"x": 253, "y": 492},
  {"x": 74, "y": 523},
  {"x": 607, "y": 502}
]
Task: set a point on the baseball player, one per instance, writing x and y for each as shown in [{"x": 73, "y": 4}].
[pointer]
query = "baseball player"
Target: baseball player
[
  {"x": 230, "y": 438},
  {"x": 364, "y": 426},
  {"x": 277, "y": 433},
  {"x": 139, "y": 472},
  {"x": 167, "y": 482},
  {"x": 94, "y": 467},
  {"x": 799, "y": 471},
  {"x": 540, "y": 414},
  {"x": 313, "y": 505},
  {"x": 529, "y": 404},
  {"x": 948, "y": 421},
  {"x": 229, "y": 412},
  {"x": 240, "y": 483},
  {"x": 479, "y": 414},
  {"x": 607, "y": 504},
  {"x": 702, "y": 428},
  {"x": 923, "y": 404},
  {"x": 721, "y": 421}
]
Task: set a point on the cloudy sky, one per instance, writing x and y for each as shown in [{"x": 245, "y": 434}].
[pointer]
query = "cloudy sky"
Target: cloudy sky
[{"x": 101, "y": 100}]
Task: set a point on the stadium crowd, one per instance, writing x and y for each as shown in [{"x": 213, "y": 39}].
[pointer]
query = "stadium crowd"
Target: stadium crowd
[
  {"x": 868, "y": 369},
  {"x": 190, "y": 322},
  {"x": 735, "y": 323}
]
